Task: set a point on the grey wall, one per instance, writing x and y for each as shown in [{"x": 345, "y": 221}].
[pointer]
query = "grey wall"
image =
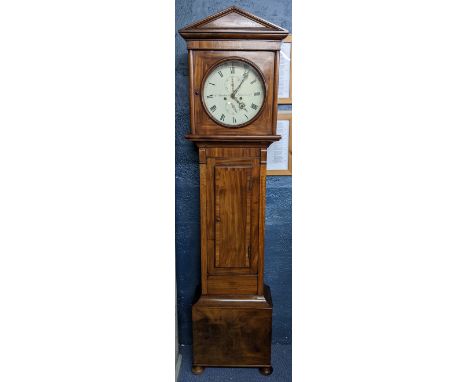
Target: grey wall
[{"x": 278, "y": 209}]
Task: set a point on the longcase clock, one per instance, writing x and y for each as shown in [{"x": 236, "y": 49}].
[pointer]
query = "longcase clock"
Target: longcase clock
[{"x": 233, "y": 62}]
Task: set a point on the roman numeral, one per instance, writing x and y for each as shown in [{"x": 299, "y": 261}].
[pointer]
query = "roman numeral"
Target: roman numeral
[
  {"x": 211, "y": 83},
  {"x": 233, "y": 70},
  {"x": 256, "y": 93},
  {"x": 222, "y": 117},
  {"x": 210, "y": 96},
  {"x": 251, "y": 82},
  {"x": 246, "y": 116},
  {"x": 213, "y": 108},
  {"x": 233, "y": 120},
  {"x": 220, "y": 73},
  {"x": 253, "y": 106}
]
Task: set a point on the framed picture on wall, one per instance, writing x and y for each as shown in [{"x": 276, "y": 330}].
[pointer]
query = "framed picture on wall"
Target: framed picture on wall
[
  {"x": 285, "y": 72},
  {"x": 279, "y": 154}
]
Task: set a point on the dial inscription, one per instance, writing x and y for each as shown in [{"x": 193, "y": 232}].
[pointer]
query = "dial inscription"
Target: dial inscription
[{"x": 233, "y": 93}]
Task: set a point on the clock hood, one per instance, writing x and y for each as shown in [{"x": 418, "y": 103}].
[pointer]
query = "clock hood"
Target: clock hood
[{"x": 231, "y": 23}]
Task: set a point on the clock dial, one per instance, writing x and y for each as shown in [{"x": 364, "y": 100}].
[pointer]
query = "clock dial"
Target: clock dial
[{"x": 233, "y": 93}]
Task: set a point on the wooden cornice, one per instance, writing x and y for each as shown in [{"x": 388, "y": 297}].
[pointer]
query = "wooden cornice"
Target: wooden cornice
[
  {"x": 233, "y": 138},
  {"x": 231, "y": 23}
]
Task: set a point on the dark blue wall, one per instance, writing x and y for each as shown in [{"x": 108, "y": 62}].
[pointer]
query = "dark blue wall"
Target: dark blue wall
[{"x": 278, "y": 209}]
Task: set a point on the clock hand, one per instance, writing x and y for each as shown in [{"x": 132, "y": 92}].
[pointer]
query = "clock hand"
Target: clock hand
[
  {"x": 245, "y": 75},
  {"x": 241, "y": 104}
]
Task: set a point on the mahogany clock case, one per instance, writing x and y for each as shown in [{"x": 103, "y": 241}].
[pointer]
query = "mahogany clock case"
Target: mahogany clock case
[
  {"x": 202, "y": 62},
  {"x": 233, "y": 300}
]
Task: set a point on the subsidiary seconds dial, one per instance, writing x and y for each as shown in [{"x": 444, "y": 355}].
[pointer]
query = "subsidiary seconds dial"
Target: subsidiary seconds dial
[{"x": 233, "y": 93}]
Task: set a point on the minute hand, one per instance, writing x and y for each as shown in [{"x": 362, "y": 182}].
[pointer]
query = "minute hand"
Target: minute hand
[{"x": 245, "y": 75}]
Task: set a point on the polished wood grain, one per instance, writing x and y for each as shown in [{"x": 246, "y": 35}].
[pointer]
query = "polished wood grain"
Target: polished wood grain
[
  {"x": 233, "y": 186},
  {"x": 234, "y": 45},
  {"x": 232, "y": 152},
  {"x": 191, "y": 91},
  {"x": 224, "y": 140},
  {"x": 265, "y": 61},
  {"x": 232, "y": 211},
  {"x": 253, "y": 301},
  {"x": 261, "y": 226},
  {"x": 230, "y": 331},
  {"x": 232, "y": 284},
  {"x": 203, "y": 223},
  {"x": 232, "y": 312}
]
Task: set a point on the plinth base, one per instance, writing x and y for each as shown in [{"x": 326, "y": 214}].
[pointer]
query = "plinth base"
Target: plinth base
[{"x": 233, "y": 331}]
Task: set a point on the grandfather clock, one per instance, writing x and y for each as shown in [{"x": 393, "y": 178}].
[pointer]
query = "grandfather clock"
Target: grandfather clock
[{"x": 233, "y": 62}]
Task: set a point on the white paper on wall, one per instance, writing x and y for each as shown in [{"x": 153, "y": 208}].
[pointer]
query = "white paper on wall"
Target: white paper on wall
[
  {"x": 284, "y": 70},
  {"x": 278, "y": 152}
]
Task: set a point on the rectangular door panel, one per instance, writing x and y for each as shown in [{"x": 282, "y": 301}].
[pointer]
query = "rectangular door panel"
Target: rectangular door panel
[
  {"x": 232, "y": 215},
  {"x": 232, "y": 202}
]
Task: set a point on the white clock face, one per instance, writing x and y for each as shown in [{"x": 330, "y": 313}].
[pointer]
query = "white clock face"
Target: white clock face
[{"x": 233, "y": 93}]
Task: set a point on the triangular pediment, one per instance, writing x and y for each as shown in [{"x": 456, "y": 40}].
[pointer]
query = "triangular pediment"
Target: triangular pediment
[{"x": 231, "y": 22}]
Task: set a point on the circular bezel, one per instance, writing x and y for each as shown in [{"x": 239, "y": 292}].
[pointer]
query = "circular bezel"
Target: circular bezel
[{"x": 211, "y": 69}]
